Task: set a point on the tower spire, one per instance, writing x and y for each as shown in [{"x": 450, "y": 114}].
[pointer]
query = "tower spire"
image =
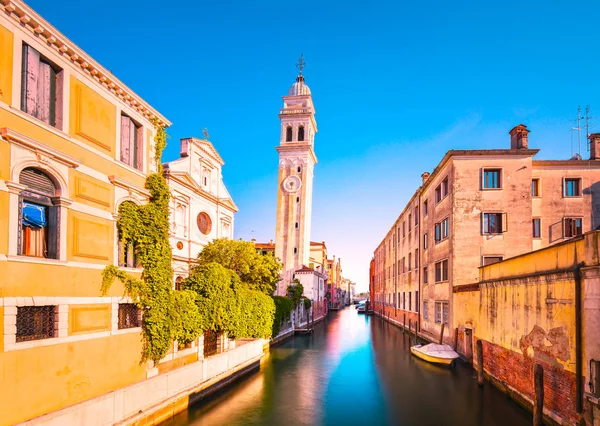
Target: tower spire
[{"x": 300, "y": 65}]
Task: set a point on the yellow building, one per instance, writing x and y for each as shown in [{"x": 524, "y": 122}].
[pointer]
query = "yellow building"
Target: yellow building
[
  {"x": 541, "y": 307},
  {"x": 75, "y": 142}
]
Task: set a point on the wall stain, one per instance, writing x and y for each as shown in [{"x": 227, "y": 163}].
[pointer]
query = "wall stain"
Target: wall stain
[{"x": 548, "y": 347}]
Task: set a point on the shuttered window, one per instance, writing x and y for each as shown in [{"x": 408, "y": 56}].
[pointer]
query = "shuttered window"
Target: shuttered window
[
  {"x": 132, "y": 152},
  {"x": 40, "y": 86},
  {"x": 39, "y": 219}
]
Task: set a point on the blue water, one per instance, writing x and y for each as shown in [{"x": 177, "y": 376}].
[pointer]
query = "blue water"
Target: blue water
[{"x": 354, "y": 370}]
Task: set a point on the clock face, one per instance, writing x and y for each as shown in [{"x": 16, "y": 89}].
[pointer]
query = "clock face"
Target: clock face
[{"x": 292, "y": 184}]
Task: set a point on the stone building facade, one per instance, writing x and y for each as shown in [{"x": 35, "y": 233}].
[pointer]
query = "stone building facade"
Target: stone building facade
[
  {"x": 201, "y": 208},
  {"x": 478, "y": 207}
]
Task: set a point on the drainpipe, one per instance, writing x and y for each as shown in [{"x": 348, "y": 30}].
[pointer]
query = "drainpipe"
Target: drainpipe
[{"x": 578, "y": 348}]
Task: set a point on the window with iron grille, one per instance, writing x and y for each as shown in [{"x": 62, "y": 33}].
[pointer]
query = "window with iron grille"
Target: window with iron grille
[
  {"x": 129, "y": 316},
  {"x": 425, "y": 310},
  {"x": 442, "y": 312},
  {"x": 573, "y": 227},
  {"x": 36, "y": 323},
  {"x": 491, "y": 179}
]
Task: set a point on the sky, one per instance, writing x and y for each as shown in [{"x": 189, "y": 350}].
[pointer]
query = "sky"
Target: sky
[{"x": 395, "y": 85}]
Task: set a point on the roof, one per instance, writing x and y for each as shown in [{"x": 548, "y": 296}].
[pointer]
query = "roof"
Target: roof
[
  {"x": 25, "y": 17},
  {"x": 186, "y": 180},
  {"x": 264, "y": 245}
]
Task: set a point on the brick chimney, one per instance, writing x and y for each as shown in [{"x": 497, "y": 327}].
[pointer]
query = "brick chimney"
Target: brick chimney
[
  {"x": 425, "y": 176},
  {"x": 595, "y": 146},
  {"x": 518, "y": 137}
]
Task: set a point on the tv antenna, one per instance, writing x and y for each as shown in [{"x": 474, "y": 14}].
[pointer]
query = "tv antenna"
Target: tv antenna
[{"x": 578, "y": 129}]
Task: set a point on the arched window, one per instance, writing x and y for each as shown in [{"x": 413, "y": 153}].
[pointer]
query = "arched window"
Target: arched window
[
  {"x": 288, "y": 134},
  {"x": 38, "y": 216},
  {"x": 178, "y": 282},
  {"x": 301, "y": 133},
  {"x": 128, "y": 257}
]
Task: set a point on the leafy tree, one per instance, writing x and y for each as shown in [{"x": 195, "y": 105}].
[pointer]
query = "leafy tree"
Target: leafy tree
[
  {"x": 257, "y": 271},
  {"x": 295, "y": 292}
]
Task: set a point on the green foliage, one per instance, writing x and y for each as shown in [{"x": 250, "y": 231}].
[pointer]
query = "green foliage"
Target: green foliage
[
  {"x": 283, "y": 310},
  {"x": 295, "y": 292},
  {"x": 307, "y": 303},
  {"x": 167, "y": 316},
  {"x": 228, "y": 305},
  {"x": 256, "y": 271}
]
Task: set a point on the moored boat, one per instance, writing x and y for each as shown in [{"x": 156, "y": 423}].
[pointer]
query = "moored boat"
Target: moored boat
[{"x": 434, "y": 353}]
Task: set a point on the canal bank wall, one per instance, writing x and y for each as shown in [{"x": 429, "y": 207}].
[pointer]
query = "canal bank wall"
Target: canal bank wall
[{"x": 159, "y": 398}]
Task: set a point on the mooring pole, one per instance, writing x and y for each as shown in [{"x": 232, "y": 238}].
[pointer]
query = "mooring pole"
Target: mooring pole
[
  {"x": 480, "y": 363},
  {"x": 538, "y": 407},
  {"x": 409, "y": 326},
  {"x": 442, "y": 334},
  {"x": 455, "y": 339}
]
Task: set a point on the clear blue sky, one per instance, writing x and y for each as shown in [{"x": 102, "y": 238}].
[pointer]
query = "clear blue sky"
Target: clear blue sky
[{"x": 395, "y": 84}]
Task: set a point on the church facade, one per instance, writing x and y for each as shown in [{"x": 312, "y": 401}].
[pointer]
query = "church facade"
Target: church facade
[{"x": 201, "y": 208}]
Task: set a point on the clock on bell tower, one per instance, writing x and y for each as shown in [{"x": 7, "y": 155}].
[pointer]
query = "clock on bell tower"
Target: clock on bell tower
[{"x": 296, "y": 166}]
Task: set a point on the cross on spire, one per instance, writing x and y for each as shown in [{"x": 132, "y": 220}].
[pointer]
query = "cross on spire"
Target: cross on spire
[{"x": 301, "y": 63}]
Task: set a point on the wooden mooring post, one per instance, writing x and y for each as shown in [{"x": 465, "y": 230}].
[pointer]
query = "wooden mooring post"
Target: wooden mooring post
[
  {"x": 442, "y": 334},
  {"x": 480, "y": 363},
  {"x": 538, "y": 405},
  {"x": 409, "y": 326},
  {"x": 455, "y": 339}
]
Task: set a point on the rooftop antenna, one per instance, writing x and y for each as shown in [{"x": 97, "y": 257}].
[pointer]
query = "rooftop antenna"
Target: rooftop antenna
[
  {"x": 578, "y": 129},
  {"x": 587, "y": 126}
]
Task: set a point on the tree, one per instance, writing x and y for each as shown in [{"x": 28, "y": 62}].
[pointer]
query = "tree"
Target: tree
[{"x": 259, "y": 272}]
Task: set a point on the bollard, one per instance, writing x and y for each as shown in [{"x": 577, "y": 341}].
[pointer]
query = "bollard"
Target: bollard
[
  {"x": 480, "y": 363},
  {"x": 538, "y": 406}
]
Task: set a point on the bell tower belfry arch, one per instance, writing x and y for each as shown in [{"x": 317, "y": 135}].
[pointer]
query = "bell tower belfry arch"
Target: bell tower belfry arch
[{"x": 297, "y": 160}]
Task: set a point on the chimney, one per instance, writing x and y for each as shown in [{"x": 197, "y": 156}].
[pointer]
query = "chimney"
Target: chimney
[
  {"x": 518, "y": 137},
  {"x": 595, "y": 146},
  {"x": 185, "y": 147},
  {"x": 425, "y": 176}
]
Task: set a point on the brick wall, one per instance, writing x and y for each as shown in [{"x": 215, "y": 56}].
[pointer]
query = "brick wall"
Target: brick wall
[{"x": 516, "y": 371}]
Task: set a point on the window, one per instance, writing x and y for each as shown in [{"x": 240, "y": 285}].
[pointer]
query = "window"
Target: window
[
  {"x": 442, "y": 312},
  {"x": 572, "y": 187},
  {"x": 425, "y": 241},
  {"x": 535, "y": 187},
  {"x": 398, "y": 300},
  {"x": 409, "y": 261},
  {"x": 204, "y": 223},
  {"x": 129, "y": 316},
  {"x": 441, "y": 191},
  {"x": 488, "y": 260},
  {"x": 299, "y": 169},
  {"x": 537, "y": 228},
  {"x": 41, "y": 88},
  {"x": 403, "y": 264},
  {"x": 132, "y": 138},
  {"x": 288, "y": 134},
  {"x": 404, "y": 300},
  {"x": 425, "y": 209},
  {"x": 493, "y": 223},
  {"x": 178, "y": 282},
  {"x": 441, "y": 271},
  {"x": 441, "y": 230},
  {"x": 297, "y": 199},
  {"x": 425, "y": 310},
  {"x": 572, "y": 227},
  {"x": 127, "y": 255},
  {"x": 416, "y": 258},
  {"x": 403, "y": 229},
  {"x": 301, "y": 133},
  {"x": 36, "y": 323},
  {"x": 409, "y": 222},
  {"x": 425, "y": 275},
  {"x": 410, "y": 300},
  {"x": 417, "y": 301},
  {"x": 491, "y": 179},
  {"x": 38, "y": 230},
  {"x": 416, "y": 216},
  {"x": 296, "y": 226}
]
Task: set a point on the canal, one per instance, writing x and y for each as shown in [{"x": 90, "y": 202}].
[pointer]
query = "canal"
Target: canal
[{"x": 354, "y": 370}]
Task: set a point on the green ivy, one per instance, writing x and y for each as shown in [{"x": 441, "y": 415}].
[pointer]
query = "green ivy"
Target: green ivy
[
  {"x": 295, "y": 292},
  {"x": 307, "y": 303},
  {"x": 167, "y": 315},
  {"x": 283, "y": 310}
]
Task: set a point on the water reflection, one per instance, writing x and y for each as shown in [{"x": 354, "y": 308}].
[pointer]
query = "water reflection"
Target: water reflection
[{"x": 354, "y": 370}]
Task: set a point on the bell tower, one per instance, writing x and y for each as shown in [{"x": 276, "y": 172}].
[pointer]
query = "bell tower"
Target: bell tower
[{"x": 297, "y": 160}]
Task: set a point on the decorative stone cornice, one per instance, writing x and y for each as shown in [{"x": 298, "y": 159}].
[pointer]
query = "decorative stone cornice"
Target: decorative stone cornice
[
  {"x": 62, "y": 202},
  {"x": 128, "y": 186},
  {"x": 27, "y": 18},
  {"x": 14, "y": 187},
  {"x": 38, "y": 148}
]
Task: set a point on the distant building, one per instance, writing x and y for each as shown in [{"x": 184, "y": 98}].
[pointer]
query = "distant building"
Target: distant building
[
  {"x": 478, "y": 207},
  {"x": 201, "y": 208}
]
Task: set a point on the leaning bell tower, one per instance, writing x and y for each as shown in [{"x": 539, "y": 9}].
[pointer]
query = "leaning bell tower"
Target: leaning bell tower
[{"x": 297, "y": 160}]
